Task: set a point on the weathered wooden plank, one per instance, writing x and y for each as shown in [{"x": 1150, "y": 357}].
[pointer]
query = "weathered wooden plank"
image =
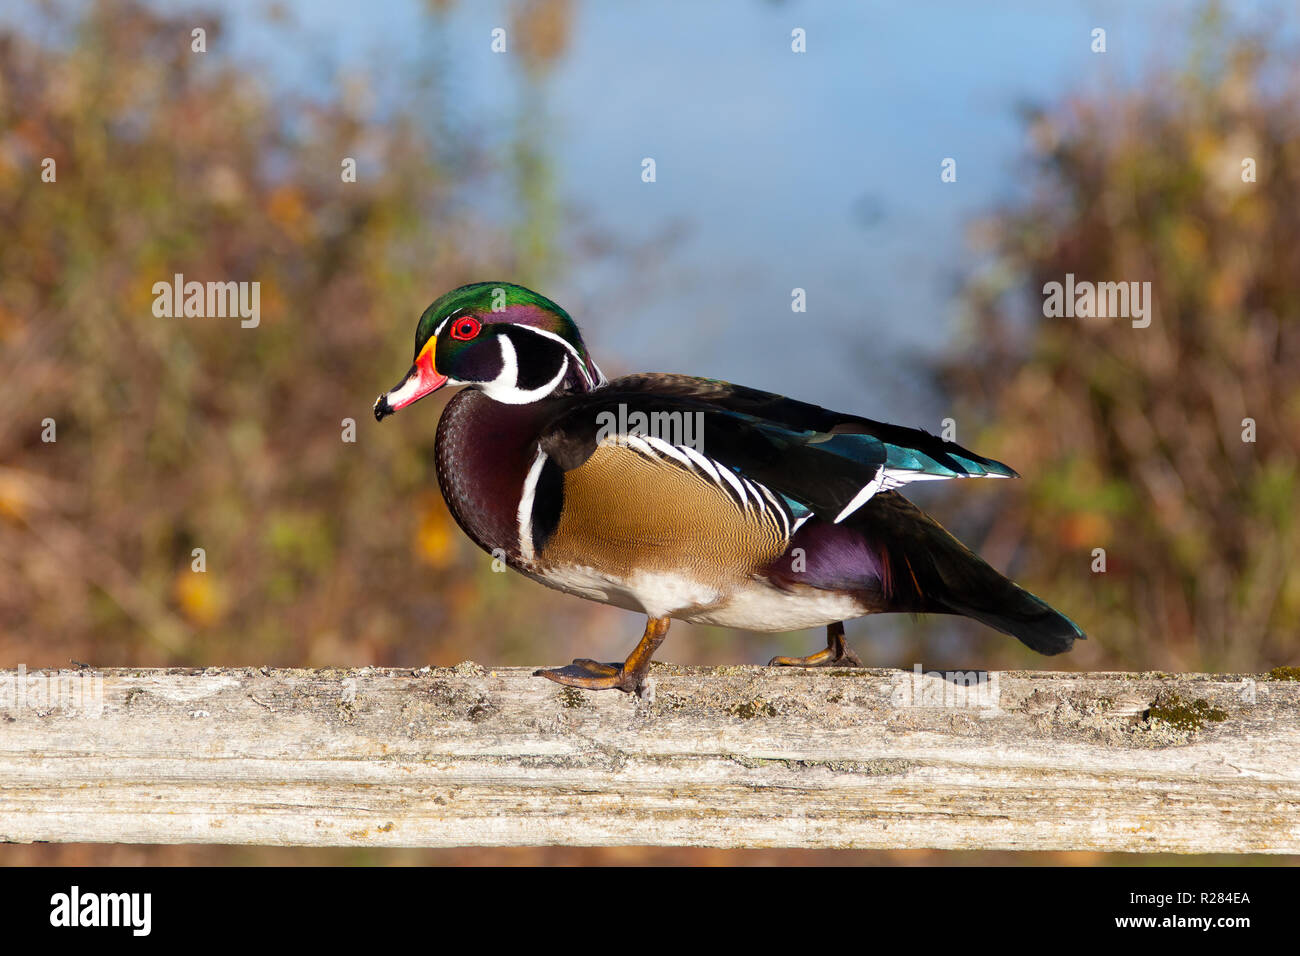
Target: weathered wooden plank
[{"x": 730, "y": 757}]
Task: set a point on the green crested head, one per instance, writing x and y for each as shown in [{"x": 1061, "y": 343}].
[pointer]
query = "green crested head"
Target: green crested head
[
  {"x": 496, "y": 302},
  {"x": 514, "y": 344}
]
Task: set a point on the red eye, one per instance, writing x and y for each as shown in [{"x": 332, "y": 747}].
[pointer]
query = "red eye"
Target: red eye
[{"x": 465, "y": 328}]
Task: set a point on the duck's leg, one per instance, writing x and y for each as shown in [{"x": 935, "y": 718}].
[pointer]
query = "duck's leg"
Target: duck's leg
[
  {"x": 592, "y": 675},
  {"x": 836, "y": 654}
]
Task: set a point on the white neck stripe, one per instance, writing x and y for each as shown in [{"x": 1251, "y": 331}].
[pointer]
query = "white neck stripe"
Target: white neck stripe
[{"x": 525, "y": 513}]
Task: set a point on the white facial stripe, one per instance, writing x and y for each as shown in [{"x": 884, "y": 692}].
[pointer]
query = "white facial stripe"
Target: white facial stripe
[
  {"x": 505, "y": 387},
  {"x": 577, "y": 359},
  {"x": 450, "y": 315},
  {"x": 525, "y": 513}
]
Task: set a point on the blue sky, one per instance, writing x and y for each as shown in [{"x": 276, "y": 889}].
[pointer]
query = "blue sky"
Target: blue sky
[{"x": 818, "y": 171}]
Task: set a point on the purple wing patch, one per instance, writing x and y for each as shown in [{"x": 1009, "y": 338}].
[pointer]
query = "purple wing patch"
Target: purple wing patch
[{"x": 832, "y": 557}]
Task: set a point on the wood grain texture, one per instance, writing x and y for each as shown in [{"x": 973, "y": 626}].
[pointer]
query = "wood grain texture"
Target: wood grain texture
[{"x": 728, "y": 757}]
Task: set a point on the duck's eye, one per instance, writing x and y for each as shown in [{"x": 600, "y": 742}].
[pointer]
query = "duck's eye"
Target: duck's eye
[{"x": 465, "y": 328}]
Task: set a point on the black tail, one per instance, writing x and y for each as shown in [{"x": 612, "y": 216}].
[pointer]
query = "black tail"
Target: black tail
[
  {"x": 931, "y": 571},
  {"x": 1013, "y": 610}
]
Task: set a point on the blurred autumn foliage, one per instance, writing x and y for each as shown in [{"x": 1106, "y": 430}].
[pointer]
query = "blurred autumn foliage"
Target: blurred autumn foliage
[
  {"x": 182, "y": 433},
  {"x": 187, "y": 433},
  {"x": 179, "y": 434},
  {"x": 1131, "y": 439}
]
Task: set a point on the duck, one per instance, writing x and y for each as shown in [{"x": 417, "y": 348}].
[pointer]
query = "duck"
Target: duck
[{"x": 686, "y": 498}]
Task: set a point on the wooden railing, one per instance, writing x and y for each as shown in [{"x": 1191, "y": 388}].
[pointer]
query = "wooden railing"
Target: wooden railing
[{"x": 727, "y": 757}]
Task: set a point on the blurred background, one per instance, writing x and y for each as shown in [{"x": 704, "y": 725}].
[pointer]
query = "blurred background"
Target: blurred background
[{"x": 775, "y": 170}]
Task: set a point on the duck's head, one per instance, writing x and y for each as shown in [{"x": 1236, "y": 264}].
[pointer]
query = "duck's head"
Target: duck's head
[{"x": 516, "y": 345}]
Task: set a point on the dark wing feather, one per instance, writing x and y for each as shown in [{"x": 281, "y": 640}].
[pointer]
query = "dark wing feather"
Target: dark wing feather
[
  {"x": 928, "y": 570},
  {"x": 816, "y": 457},
  {"x": 805, "y": 417}
]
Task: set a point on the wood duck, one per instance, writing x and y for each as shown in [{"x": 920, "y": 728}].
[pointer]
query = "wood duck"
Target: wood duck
[{"x": 690, "y": 498}]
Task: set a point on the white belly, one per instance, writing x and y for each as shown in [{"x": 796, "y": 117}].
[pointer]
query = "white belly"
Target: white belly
[
  {"x": 762, "y": 607},
  {"x": 756, "y": 606}
]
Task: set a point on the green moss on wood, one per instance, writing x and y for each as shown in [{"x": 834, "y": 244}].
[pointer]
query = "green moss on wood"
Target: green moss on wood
[{"x": 1173, "y": 710}]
